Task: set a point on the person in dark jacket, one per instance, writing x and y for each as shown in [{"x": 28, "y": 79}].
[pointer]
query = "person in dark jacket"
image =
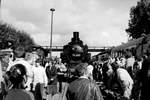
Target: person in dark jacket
[
  {"x": 83, "y": 88},
  {"x": 144, "y": 79},
  {"x": 51, "y": 72}
]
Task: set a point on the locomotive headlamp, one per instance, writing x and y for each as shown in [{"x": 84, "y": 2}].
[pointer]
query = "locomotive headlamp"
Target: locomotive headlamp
[{"x": 77, "y": 49}]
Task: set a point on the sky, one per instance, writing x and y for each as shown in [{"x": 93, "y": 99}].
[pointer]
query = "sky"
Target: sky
[{"x": 99, "y": 22}]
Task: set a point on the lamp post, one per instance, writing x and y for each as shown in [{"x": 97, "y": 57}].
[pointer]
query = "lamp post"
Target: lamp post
[
  {"x": 0, "y": 8},
  {"x": 0, "y": 4},
  {"x": 52, "y": 10}
]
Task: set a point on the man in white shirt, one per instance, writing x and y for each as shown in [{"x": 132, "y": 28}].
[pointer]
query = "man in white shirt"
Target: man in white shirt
[
  {"x": 40, "y": 80},
  {"x": 129, "y": 64},
  {"x": 19, "y": 54},
  {"x": 119, "y": 84},
  {"x": 90, "y": 71},
  {"x": 39, "y": 74}
]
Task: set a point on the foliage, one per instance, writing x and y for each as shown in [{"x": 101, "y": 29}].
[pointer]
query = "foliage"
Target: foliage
[
  {"x": 139, "y": 19},
  {"x": 10, "y": 37}
]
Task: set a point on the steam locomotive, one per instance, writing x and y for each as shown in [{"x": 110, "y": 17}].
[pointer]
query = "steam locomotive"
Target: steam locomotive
[{"x": 74, "y": 53}]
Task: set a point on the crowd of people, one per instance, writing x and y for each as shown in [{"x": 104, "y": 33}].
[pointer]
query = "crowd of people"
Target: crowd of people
[
  {"x": 25, "y": 77},
  {"x": 124, "y": 77}
]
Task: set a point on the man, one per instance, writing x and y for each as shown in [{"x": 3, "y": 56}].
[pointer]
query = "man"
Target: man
[
  {"x": 129, "y": 63},
  {"x": 90, "y": 71},
  {"x": 19, "y": 53},
  {"x": 143, "y": 79},
  {"x": 51, "y": 72},
  {"x": 4, "y": 62},
  {"x": 83, "y": 88},
  {"x": 61, "y": 68},
  {"x": 118, "y": 82},
  {"x": 39, "y": 80},
  {"x": 1, "y": 79}
]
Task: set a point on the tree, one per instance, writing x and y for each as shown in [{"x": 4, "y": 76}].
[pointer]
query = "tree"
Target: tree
[
  {"x": 10, "y": 37},
  {"x": 139, "y": 22}
]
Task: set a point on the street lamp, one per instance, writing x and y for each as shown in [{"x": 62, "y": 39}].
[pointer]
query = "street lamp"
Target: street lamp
[
  {"x": 52, "y": 10},
  {"x": 0, "y": 8}
]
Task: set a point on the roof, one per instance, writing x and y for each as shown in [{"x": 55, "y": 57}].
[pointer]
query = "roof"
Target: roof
[{"x": 128, "y": 45}]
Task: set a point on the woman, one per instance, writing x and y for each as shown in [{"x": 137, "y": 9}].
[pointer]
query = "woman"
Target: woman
[{"x": 17, "y": 77}]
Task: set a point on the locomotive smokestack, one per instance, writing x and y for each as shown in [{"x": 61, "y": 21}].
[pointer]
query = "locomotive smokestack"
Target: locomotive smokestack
[{"x": 76, "y": 37}]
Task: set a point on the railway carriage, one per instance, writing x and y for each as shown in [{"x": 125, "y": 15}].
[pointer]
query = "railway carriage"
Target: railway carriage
[{"x": 138, "y": 47}]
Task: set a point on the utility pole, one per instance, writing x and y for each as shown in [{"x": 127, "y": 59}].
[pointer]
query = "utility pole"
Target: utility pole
[{"x": 52, "y": 10}]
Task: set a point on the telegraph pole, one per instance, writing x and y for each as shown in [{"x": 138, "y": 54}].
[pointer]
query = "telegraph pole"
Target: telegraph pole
[{"x": 52, "y": 10}]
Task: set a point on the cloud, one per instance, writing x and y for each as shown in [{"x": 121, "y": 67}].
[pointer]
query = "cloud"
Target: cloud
[
  {"x": 27, "y": 26},
  {"x": 6, "y": 16},
  {"x": 100, "y": 22}
]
